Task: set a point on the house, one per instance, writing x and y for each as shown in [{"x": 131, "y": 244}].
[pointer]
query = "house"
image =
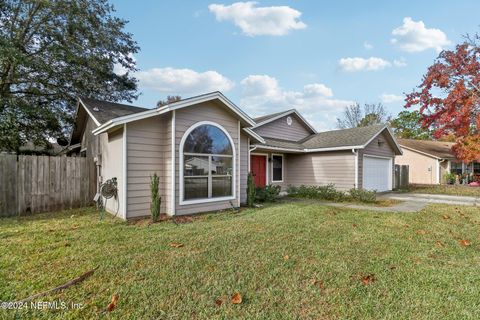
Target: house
[
  {"x": 203, "y": 147},
  {"x": 428, "y": 161}
]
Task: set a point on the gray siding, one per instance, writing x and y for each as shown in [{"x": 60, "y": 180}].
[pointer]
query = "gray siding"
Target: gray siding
[
  {"x": 112, "y": 167},
  {"x": 384, "y": 149},
  {"x": 279, "y": 129},
  {"x": 147, "y": 141},
  {"x": 184, "y": 119},
  {"x": 321, "y": 169},
  {"x": 243, "y": 167},
  {"x": 89, "y": 140}
]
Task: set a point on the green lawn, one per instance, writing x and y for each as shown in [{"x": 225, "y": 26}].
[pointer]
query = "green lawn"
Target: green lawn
[
  {"x": 418, "y": 267},
  {"x": 454, "y": 190}
]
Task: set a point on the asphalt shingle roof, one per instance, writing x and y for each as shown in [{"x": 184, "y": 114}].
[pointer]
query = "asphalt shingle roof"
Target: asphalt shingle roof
[
  {"x": 104, "y": 111},
  {"x": 341, "y": 138},
  {"x": 330, "y": 139},
  {"x": 438, "y": 149},
  {"x": 278, "y": 143}
]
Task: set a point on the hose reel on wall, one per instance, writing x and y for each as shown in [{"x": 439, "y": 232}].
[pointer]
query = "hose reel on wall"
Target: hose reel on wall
[{"x": 108, "y": 190}]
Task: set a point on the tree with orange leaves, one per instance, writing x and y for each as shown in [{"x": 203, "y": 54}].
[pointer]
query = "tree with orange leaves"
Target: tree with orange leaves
[{"x": 449, "y": 98}]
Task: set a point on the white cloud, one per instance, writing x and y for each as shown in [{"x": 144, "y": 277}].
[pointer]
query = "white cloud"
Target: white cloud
[
  {"x": 400, "y": 62},
  {"x": 362, "y": 64},
  {"x": 413, "y": 36},
  {"x": 317, "y": 89},
  {"x": 390, "y": 98},
  {"x": 367, "y": 45},
  {"x": 183, "y": 81},
  {"x": 262, "y": 94},
  {"x": 258, "y": 21}
]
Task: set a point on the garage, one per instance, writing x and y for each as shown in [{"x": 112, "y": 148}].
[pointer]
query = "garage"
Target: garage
[{"x": 377, "y": 173}]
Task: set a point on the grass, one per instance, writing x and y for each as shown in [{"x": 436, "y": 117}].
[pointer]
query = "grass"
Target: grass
[
  {"x": 414, "y": 264},
  {"x": 454, "y": 190}
]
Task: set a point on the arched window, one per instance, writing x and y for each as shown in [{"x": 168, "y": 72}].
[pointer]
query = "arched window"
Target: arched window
[{"x": 207, "y": 163}]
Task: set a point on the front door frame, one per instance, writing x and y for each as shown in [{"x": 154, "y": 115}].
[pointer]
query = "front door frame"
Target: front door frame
[{"x": 267, "y": 176}]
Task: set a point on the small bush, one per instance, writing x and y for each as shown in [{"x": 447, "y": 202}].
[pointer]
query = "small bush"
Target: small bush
[
  {"x": 327, "y": 192},
  {"x": 268, "y": 193},
  {"x": 362, "y": 195},
  {"x": 450, "y": 177},
  {"x": 251, "y": 190},
  {"x": 155, "y": 197}
]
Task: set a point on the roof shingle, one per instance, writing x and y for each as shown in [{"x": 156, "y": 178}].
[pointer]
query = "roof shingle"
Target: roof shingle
[
  {"x": 104, "y": 111},
  {"x": 438, "y": 149}
]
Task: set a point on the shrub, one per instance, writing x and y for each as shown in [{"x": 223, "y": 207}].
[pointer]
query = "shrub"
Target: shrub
[
  {"x": 363, "y": 195},
  {"x": 327, "y": 192},
  {"x": 251, "y": 192},
  {"x": 156, "y": 199},
  {"x": 268, "y": 193},
  {"x": 450, "y": 177}
]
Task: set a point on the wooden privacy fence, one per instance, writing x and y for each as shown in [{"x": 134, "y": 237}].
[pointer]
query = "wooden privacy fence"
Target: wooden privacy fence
[
  {"x": 31, "y": 184},
  {"x": 401, "y": 176}
]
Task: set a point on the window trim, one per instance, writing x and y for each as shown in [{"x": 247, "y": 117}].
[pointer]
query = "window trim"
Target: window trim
[
  {"x": 283, "y": 166},
  {"x": 182, "y": 201}
]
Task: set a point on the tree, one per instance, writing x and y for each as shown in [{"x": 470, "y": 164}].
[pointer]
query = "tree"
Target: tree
[
  {"x": 51, "y": 52},
  {"x": 449, "y": 98},
  {"x": 170, "y": 99},
  {"x": 362, "y": 116},
  {"x": 408, "y": 125}
]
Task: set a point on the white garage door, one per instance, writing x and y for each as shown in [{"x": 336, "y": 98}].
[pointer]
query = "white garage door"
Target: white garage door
[{"x": 377, "y": 173}]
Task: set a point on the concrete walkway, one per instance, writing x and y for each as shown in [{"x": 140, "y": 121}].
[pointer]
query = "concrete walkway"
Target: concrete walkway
[{"x": 432, "y": 198}]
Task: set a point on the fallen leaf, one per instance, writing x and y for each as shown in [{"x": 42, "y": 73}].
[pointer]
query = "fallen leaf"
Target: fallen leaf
[
  {"x": 446, "y": 216},
  {"x": 439, "y": 244},
  {"x": 369, "y": 278},
  {"x": 219, "y": 302},
  {"x": 286, "y": 257},
  {"x": 421, "y": 231},
  {"x": 113, "y": 304},
  {"x": 465, "y": 243},
  {"x": 317, "y": 283},
  {"x": 236, "y": 298},
  {"x": 176, "y": 244},
  {"x": 354, "y": 225}
]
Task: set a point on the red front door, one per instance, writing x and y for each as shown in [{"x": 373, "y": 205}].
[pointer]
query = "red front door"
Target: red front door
[{"x": 258, "y": 169}]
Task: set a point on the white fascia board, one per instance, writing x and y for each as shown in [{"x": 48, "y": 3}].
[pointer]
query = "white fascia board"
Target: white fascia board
[
  {"x": 286, "y": 113},
  {"x": 254, "y": 135},
  {"x": 259, "y": 146},
  {"x": 174, "y": 106},
  {"x": 308, "y": 150},
  {"x": 89, "y": 113},
  {"x": 208, "y": 97},
  {"x": 125, "y": 119},
  {"x": 334, "y": 148}
]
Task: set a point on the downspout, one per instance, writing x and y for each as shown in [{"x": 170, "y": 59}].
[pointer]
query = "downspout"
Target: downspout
[{"x": 355, "y": 185}]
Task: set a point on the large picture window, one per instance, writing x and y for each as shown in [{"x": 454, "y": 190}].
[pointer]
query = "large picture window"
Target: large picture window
[
  {"x": 277, "y": 168},
  {"x": 208, "y": 164}
]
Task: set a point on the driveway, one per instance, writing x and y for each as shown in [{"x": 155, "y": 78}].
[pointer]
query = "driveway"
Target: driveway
[{"x": 432, "y": 198}]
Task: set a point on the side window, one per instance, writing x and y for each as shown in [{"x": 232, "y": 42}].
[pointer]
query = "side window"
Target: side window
[{"x": 277, "y": 168}]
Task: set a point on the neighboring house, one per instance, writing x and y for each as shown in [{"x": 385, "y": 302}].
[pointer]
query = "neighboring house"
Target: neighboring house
[
  {"x": 428, "y": 161},
  {"x": 203, "y": 147}
]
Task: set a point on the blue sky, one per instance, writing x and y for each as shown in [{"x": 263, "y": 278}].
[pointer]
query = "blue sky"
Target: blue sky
[{"x": 316, "y": 56}]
